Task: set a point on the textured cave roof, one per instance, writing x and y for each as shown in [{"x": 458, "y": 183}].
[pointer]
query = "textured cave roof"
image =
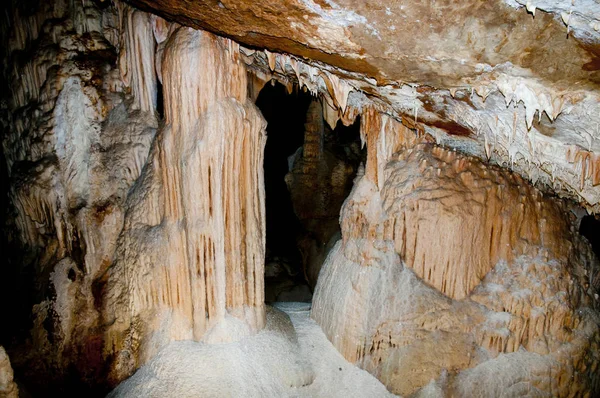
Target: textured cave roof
[{"x": 516, "y": 82}]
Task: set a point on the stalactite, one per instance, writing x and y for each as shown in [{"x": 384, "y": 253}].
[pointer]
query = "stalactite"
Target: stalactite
[
  {"x": 73, "y": 148},
  {"x": 137, "y": 54},
  {"x": 588, "y": 163},
  {"x": 330, "y": 113}
]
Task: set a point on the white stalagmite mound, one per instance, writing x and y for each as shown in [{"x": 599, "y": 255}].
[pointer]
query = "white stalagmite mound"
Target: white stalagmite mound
[{"x": 276, "y": 362}]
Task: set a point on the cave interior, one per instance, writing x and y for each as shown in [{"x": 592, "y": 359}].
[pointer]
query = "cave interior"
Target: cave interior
[{"x": 300, "y": 198}]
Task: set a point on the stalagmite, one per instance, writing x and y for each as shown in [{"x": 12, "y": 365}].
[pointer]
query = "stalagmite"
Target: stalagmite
[
  {"x": 328, "y": 176},
  {"x": 338, "y": 89},
  {"x": 190, "y": 260}
]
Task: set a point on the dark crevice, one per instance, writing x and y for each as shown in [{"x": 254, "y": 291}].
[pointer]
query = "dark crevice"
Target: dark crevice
[
  {"x": 285, "y": 115},
  {"x": 306, "y": 183},
  {"x": 590, "y": 228},
  {"x": 160, "y": 107}
]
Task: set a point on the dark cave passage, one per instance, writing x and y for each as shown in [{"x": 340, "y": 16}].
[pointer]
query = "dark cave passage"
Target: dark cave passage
[
  {"x": 590, "y": 228},
  {"x": 285, "y": 114},
  {"x": 309, "y": 169}
]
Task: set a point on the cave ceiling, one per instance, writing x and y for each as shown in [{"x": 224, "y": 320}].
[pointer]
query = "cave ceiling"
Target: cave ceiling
[{"x": 513, "y": 82}]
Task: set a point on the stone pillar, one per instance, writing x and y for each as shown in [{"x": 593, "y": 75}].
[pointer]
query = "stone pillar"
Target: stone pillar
[{"x": 190, "y": 261}]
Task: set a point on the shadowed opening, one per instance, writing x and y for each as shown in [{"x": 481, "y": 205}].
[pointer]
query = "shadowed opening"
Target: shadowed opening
[{"x": 309, "y": 169}]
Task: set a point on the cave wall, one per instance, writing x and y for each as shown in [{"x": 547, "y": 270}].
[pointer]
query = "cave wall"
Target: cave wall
[
  {"x": 75, "y": 140},
  {"x": 125, "y": 235}
]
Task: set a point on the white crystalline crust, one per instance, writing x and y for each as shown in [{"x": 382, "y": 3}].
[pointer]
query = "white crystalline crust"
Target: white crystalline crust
[{"x": 272, "y": 363}]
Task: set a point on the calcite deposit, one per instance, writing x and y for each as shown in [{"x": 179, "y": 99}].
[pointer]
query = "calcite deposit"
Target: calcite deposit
[
  {"x": 74, "y": 143},
  {"x": 8, "y": 387},
  {"x": 449, "y": 269},
  {"x": 513, "y": 81},
  {"x": 189, "y": 263}
]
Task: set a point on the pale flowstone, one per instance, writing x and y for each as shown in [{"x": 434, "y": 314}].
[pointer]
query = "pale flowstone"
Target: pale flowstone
[
  {"x": 276, "y": 362},
  {"x": 444, "y": 264}
]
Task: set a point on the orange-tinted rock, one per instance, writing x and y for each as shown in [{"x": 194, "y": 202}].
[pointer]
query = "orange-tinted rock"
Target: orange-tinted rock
[
  {"x": 190, "y": 259},
  {"x": 468, "y": 215}
]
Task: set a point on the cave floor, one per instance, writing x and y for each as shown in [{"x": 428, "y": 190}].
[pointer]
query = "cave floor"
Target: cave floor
[{"x": 262, "y": 365}]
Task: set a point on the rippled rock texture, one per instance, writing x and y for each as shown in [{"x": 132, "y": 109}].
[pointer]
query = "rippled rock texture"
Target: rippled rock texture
[{"x": 453, "y": 271}]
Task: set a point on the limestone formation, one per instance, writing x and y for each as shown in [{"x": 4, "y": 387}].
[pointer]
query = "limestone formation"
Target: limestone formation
[
  {"x": 189, "y": 262},
  {"x": 325, "y": 167},
  {"x": 495, "y": 79},
  {"x": 450, "y": 269},
  {"x": 137, "y": 56},
  {"x": 74, "y": 144},
  {"x": 8, "y": 388}
]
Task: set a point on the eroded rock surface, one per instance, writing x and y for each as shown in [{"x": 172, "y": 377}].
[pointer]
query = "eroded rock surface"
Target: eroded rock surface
[
  {"x": 452, "y": 270},
  {"x": 74, "y": 142}
]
